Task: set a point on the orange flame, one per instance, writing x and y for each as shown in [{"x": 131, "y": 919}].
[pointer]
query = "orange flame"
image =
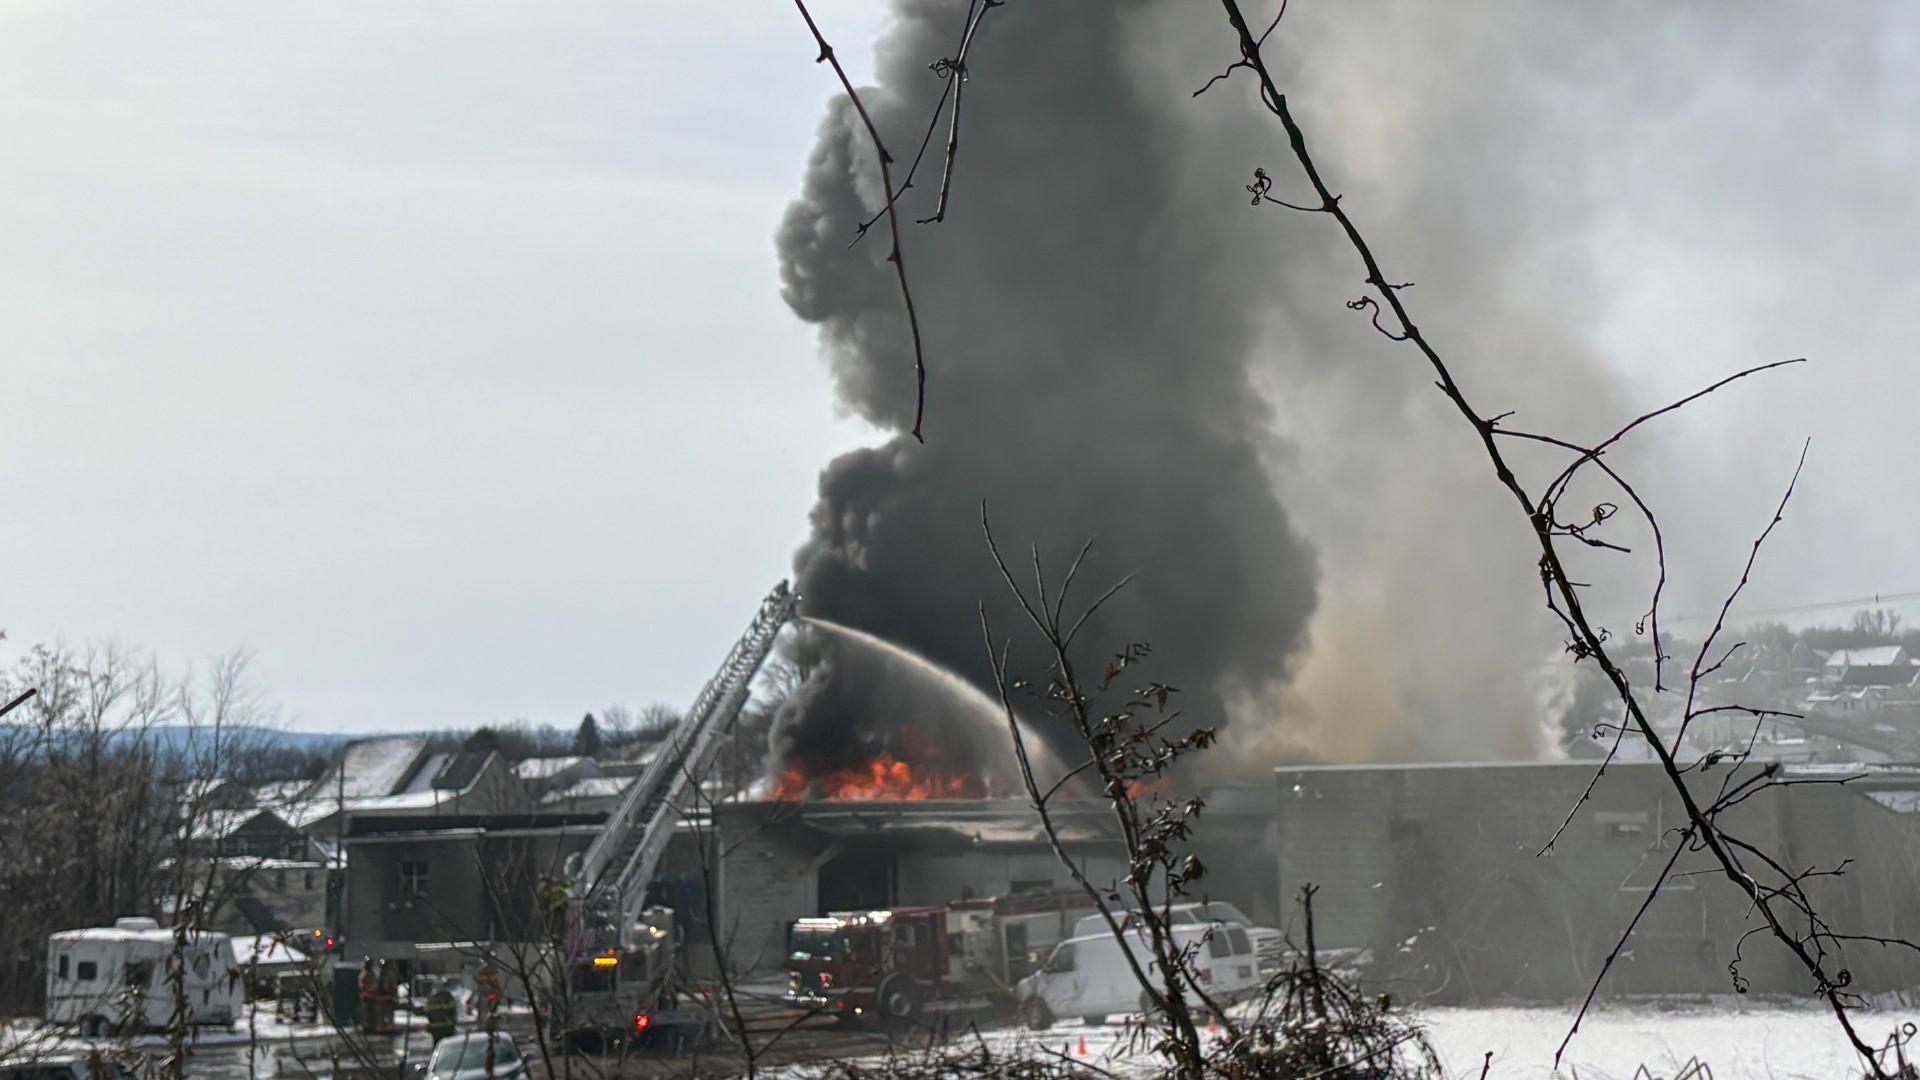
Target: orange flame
[
  {"x": 884, "y": 779},
  {"x": 1147, "y": 789}
]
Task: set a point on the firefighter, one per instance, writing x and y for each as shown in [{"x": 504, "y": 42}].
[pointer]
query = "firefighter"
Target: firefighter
[
  {"x": 386, "y": 997},
  {"x": 486, "y": 985},
  {"x": 369, "y": 996},
  {"x": 441, "y": 1012}
]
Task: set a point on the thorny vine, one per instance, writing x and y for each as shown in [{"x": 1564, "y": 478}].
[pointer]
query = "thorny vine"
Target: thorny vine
[{"x": 1783, "y": 905}]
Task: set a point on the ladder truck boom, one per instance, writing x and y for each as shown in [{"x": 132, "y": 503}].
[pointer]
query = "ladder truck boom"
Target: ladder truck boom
[{"x": 616, "y": 868}]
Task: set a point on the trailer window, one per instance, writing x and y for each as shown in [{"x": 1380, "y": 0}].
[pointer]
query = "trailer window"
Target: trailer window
[
  {"x": 140, "y": 976},
  {"x": 87, "y": 971},
  {"x": 64, "y": 966},
  {"x": 1062, "y": 960}
]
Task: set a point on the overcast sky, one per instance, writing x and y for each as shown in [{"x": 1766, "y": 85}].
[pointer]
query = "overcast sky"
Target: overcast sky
[
  {"x": 435, "y": 351},
  {"x": 432, "y": 350}
]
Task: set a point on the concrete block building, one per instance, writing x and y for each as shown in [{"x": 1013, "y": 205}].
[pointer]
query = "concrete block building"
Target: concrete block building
[{"x": 1441, "y": 878}]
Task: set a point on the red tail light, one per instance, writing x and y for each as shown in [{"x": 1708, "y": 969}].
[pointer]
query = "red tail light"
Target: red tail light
[{"x": 641, "y": 1023}]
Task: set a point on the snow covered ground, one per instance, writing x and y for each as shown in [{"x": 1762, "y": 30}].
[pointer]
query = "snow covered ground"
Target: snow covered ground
[
  {"x": 1755, "y": 1042},
  {"x": 1737, "y": 1041},
  {"x": 1759, "y": 1042}
]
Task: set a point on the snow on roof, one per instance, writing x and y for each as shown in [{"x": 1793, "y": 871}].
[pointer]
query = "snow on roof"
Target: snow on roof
[
  {"x": 261, "y": 862},
  {"x": 201, "y": 789},
  {"x": 428, "y": 787},
  {"x": 372, "y": 767},
  {"x": 316, "y": 810},
  {"x": 1878, "y": 656},
  {"x": 592, "y": 787},
  {"x": 281, "y": 793},
  {"x": 540, "y": 768},
  {"x": 220, "y": 824},
  {"x": 266, "y": 950},
  {"x": 162, "y": 936}
]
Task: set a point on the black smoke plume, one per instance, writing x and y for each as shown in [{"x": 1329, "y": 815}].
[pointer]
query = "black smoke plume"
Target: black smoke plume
[{"x": 1090, "y": 367}]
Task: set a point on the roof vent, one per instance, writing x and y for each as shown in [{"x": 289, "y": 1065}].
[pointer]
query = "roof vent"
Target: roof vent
[{"x": 135, "y": 922}]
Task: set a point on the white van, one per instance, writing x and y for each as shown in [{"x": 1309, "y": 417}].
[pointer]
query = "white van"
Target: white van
[
  {"x": 1269, "y": 945},
  {"x": 1089, "y": 977},
  {"x": 105, "y": 980}
]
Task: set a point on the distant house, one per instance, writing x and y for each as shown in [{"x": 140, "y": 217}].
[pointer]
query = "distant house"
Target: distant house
[
  {"x": 1882, "y": 665},
  {"x": 401, "y": 777},
  {"x": 246, "y": 832},
  {"x": 256, "y": 870},
  {"x": 589, "y": 795},
  {"x": 542, "y": 775}
]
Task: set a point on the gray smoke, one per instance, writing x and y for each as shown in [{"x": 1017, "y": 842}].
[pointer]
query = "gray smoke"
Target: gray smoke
[{"x": 1121, "y": 347}]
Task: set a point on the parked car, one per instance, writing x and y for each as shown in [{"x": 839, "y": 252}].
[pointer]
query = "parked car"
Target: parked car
[
  {"x": 464, "y": 1057},
  {"x": 1090, "y": 977}
]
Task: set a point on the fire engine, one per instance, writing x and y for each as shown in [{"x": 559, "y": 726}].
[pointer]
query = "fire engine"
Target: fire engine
[
  {"x": 900, "y": 963},
  {"x": 634, "y": 993},
  {"x": 622, "y": 968}
]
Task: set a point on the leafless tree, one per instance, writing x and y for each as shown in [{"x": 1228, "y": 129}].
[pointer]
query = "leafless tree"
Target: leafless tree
[{"x": 1129, "y": 740}]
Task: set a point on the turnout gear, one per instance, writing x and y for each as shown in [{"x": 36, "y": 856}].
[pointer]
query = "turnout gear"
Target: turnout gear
[{"x": 441, "y": 1011}]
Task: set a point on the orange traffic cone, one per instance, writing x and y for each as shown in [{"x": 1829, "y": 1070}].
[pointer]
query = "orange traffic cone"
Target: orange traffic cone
[{"x": 1083, "y": 1046}]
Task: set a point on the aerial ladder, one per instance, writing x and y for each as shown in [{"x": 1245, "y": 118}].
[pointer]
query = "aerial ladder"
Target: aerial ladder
[{"x": 611, "y": 879}]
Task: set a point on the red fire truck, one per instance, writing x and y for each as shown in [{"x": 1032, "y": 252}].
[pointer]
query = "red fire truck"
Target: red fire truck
[
  {"x": 634, "y": 995},
  {"x": 900, "y": 963}
]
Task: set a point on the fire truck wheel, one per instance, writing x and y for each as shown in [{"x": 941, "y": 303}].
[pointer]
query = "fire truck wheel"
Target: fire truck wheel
[
  {"x": 898, "y": 999},
  {"x": 1035, "y": 1015}
]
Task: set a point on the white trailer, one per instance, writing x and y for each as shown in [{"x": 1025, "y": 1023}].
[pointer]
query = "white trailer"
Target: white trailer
[{"x": 112, "y": 979}]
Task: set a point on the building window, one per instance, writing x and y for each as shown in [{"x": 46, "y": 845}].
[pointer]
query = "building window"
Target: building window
[
  {"x": 309, "y": 881},
  {"x": 88, "y": 971},
  {"x": 413, "y": 877},
  {"x": 280, "y": 881}
]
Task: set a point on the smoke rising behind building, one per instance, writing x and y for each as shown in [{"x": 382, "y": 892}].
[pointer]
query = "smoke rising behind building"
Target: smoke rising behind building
[{"x": 1121, "y": 347}]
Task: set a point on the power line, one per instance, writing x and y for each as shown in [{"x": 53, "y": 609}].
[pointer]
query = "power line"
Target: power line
[{"x": 1876, "y": 600}]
